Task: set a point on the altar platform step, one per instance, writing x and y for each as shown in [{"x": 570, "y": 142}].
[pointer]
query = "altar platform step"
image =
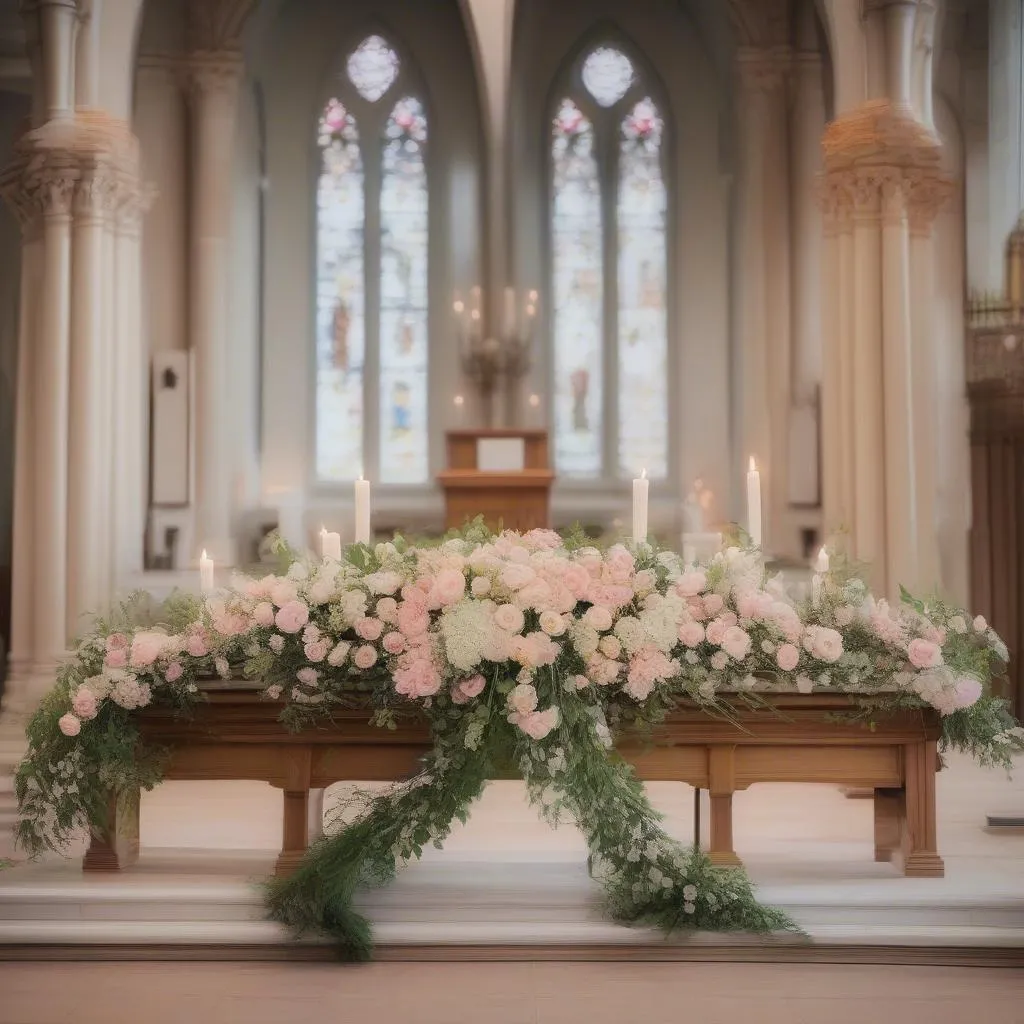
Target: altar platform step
[{"x": 174, "y": 904}]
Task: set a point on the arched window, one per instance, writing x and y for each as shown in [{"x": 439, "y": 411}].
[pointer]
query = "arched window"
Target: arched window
[
  {"x": 609, "y": 266},
  {"x": 371, "y": 274}
]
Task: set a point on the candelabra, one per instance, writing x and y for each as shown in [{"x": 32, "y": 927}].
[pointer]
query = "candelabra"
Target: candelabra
[{"x": 488, "y": 359}]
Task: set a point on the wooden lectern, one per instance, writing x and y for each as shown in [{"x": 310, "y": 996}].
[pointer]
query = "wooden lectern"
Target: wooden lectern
[{"x": 502, "y": 475}]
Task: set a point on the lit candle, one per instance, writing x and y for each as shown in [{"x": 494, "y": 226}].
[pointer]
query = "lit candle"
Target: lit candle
[
  {"x": 205, "y": 573},
  {"x": 460, "y": 410},
  {"x": 821, "y": 562},
  {"x": 754, "y": 503},
  {"x": 330, "y": 545},
  {"x": 641, "y": 486},
  {"x": 362, "y": 498}
]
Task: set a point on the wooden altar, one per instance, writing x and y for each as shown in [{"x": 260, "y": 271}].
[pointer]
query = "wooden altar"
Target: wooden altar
[
  {"x": 514, "y": 497},
  {"x": 236, "y": 735}
]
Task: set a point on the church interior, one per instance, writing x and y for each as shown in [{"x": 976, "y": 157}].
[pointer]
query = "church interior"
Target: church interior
[{"x": 323, "y": 272}]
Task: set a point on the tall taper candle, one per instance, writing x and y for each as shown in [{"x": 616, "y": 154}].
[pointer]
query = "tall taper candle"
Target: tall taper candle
[
  {"x": 205, "y": 573},
  {"x": 641, "y": 486},
  {"x": 754, "y": 503},
  {"x": 330, "y": 545},
  {"x": 362, "y": 498}
]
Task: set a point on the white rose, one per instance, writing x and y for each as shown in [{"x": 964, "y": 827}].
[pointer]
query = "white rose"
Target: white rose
[
  {"x": 957, "y": 624},
  {"x": 523, "y": 699},
  {"x": 598, "y": 618},
  {"x": 980, "y": 625},
  {"x": 552, "y": 623},
  {"x": 509, "y": 618},
  {"x": 481, "y": 586},
  {"x": 610, "y": 647}
]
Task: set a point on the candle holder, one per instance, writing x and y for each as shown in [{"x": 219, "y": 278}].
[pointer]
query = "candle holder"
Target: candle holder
[{"x": 487, "y": 359}]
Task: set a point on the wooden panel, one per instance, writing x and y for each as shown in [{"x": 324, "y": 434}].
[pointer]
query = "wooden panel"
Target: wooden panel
[
  {"x": 853, "y": 766},
  {"x": 669, "y": 764}
]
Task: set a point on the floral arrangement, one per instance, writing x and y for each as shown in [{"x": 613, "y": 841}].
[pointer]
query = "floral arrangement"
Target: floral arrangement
[{"x": 529, "y": 650}]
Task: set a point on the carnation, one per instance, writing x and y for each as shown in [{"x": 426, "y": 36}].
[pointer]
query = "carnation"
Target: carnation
[
  {"x": 83, "y": 703},
  {"x": 393, "y": 643},
  {"x": 417, "y": 676},
  {"x": 369, "y": 628},
  {"x": 338, "y": 654},
  {"x": 787, "y": 657},
  {"x": 263, "y": 614},
  {"x": 719, "y": 660},
  {"x": 691, "y": 633},
  {"x": 174, "y": 671},
  {"x": 736, "y": 643},
  {"x": 387, "y": 610}
]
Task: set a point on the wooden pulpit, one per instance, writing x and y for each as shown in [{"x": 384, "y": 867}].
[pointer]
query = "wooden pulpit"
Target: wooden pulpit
[{"x": 503, "y": 475}]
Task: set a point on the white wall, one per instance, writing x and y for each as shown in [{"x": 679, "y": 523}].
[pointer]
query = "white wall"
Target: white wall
[
  {"x": 546, "y": 36},
  {"x": 309, "y": 41}
]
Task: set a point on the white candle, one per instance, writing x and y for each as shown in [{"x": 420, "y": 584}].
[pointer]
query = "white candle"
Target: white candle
[
  {"x": 362, "y": 499},
  {"x": 641, "y": 486},
  {"x": 821, "y": 562},
  {"x": 330, "y": 545},
  {"x": 754, "y": 503},
  {"x": 205, "y": 573}
]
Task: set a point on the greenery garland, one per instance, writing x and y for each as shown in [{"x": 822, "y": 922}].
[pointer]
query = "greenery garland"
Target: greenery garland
[{"x": 527, "y": 654}]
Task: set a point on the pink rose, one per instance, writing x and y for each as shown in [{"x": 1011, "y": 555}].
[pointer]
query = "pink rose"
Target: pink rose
[
  {"x": 317, "y": 650},
  {"x": 719, "y": 660},
  {"x": 394, "y": 643},
  {"x": 387, "y": 609},
  {"x": 174, "y": 671},
  {"x": 537, "y": 724},
  {"x": 509, "y": 618},
  {"x": 365, "y": 656},
  {"x": 369, "y": 628},
  {"x": 281, "y": 592},
  {"x": 826, "y": 644},
  {"x": 449, "y": 587},
  {"x": 715, "y": 631},
  {"x": 147, "y": 646},
  {"x": 307, "y": 676},
  {"x": 924, "y": 654},
  {"x": 273, "y": 692},
  {"x": 117, "y": 642},
  {"x": 736, "y": 643},
  {"x": 263, "y": 614},
  {"x": 116, "y": 658},
  {"x": 473, "y": 686},
  {"x": 577, "y": 579},
  {"x": 515, "y": 576},
  {"x": 292, "y": 616},
  {"x": 787, "y": 656},
  {"x": 69, "y": 725},
  {"x": 552, "y": 623},
  {"x": 83, "y": 703},
  {"x": 690, "y": 584},
  {"x": 691, "y": 633}
]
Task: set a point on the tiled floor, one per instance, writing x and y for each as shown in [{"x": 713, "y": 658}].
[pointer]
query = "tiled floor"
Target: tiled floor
[{"x": 506, "y": 994}]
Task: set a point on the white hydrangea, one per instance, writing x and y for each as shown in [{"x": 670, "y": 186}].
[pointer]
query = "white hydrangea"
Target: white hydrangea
[
  {"x": 630, "y": 630},
  {"x": 584, "y": 638},
  {"x": 466, "y": 629}
]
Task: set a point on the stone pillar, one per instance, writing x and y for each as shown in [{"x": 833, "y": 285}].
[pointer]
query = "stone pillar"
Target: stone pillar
[
  {"x": 214, "y": 80},
  {"x": 808, "y": 248},
  {"x": 761, "y": 283}
]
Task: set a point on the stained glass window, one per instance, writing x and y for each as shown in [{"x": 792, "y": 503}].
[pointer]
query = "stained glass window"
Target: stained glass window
[
  {"x": 403, "y": 313},
  {"x": 577, "y": 261},
  {"x": 642, "y": 326},
  {"x": 609, "y": 240},
  {"x": 372, "y": 296}
]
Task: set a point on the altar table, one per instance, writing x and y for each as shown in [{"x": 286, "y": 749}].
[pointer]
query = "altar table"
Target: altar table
[{"x": 236, "y": 735}]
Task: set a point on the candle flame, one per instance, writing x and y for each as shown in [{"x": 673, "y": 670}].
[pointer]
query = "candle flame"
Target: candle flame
[{"x": 753, "y": 465}]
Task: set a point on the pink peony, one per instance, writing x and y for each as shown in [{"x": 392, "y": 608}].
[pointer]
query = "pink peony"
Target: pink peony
[
  {"x": 282, "y": 592},
  {"x": 195, "y": 643},
  {"x": 365, "y": 656},
  {"x": 449, "y": 587},
  {"x": 307, "y": 676},
  {"x": 418, "y": 677},
  {"x": 387, "y": 609},
  {"x": 736, "y": 643},
  {"x": 603, "y": 671},
  {"x": 83, "y": 703},
  {"x": 515, "y": 576},
  {"x": 713, "y": 603},
  {"x": 690, "y": 584},
  {"x": 263, "y": 614},
  {"x": 116, "y": 658},
  {"x": 967, "y": 692},
  {"x": 317, "y": 651},
  {"x": 413, "y": 620},
  {"x": 577, "y": 580},
  {"x": 292, "y": 616},
  {"x": 117, "y": 642},
  {"x": 787, "y": 656},
  {"x": 924, "y": 654},
  {"x": 620, "y": 564},
  {"x": 369, "y": 628},
  {"x": 147, "y": 646},
  {"x": 69, "y": 725},
  {"x": 691, "y": 633},
  {"x": 598, "y": 618},
  {"x": 174, "y": 671},
  {"x": 393, "y": 643}
]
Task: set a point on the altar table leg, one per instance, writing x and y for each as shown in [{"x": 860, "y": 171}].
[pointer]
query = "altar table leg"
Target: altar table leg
[
  {"x": 117, "y": 845},
  {"x": 920, "y": 853},
  {"x": 296, "y": 828},
  {"x": 889, "y": 813},
  {"x": 315, "y": 823},
  {"x": 721, "y": 783}
]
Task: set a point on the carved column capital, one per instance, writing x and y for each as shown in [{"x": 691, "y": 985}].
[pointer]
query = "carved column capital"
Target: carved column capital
[
  {"x": 763, "y": 70},
  {"x": 212, "y": 72}
]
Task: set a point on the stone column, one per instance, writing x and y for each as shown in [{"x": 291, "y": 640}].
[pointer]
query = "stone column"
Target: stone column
[
  {"x": 91, "y": 398},
  {"x": 214, "y": 80},
  {"x": 761, "y": 317}
]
